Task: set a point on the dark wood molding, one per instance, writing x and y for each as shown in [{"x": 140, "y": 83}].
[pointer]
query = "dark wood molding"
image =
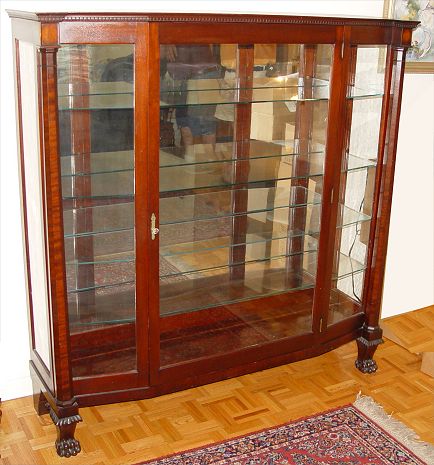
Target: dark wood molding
[{"x": 211, "y": 18}]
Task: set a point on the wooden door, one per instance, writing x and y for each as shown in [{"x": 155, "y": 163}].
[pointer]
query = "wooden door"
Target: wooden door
[
  {"x": 239, "y": 201},
  {"x": 102, "y": 85}
]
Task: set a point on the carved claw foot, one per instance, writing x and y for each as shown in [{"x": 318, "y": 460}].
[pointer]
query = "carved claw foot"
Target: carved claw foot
[
  {"x": 67, "y": 447},
  {"x": 66, "y": 444},
  {"x": 366, "y": 366},
  {"x": 367, "y": 344}
]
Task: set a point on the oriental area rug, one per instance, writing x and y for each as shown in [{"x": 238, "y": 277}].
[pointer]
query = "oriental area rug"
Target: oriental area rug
[{"x": 357, "y": 434}]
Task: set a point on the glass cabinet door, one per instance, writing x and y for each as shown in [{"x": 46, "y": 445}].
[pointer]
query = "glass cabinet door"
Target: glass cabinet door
[
  {"x": 364, "y": 110},
  {"x": 242, "y": 148},
  {"x": 96, "y": 126}
]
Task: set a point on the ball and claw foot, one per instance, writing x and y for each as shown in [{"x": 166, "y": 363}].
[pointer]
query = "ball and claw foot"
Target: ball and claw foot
[
  {"x": 366, "y": 366},
  {"x": 68, "y": 447}
]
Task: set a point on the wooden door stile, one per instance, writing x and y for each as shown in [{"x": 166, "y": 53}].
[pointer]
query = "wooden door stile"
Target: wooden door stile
[
  {"x": 142, "y": 76},
  {"x": 335, "y": 151},
  {"x": 153, "y": 200}
]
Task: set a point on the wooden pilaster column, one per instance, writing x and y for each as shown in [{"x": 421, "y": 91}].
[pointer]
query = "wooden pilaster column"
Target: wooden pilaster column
[{"x": 64, "y": 409}]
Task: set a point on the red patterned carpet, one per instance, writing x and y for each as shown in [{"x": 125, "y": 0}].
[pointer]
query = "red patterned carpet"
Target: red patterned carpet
[{"x": 343, "y": 436}]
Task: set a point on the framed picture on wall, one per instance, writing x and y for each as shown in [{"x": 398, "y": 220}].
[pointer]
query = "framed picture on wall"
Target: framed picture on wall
[{"x": 420, "y": 57}]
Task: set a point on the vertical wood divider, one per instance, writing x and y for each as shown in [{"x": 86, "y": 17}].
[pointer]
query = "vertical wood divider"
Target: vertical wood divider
[
  {"x": 80, "y": 124},
  {"x": 301, "y": 161},
  {"x": 240, "y": 196}
]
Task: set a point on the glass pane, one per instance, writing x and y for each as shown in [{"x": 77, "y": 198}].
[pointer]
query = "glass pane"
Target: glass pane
[
  {"x": 241, "y": 168},
  {"x": 357, "y": 179},
  {"x": 39, "y": 300},
  {"x": 96, "y": 125}
]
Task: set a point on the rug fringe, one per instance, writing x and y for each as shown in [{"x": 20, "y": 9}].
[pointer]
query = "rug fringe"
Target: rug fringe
[{"x": 400, "y": 432}]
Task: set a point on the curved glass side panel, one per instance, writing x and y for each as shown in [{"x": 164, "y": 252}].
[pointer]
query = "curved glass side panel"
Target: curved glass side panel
[
  {"x": 33, "y": 197},
  {"x": 357, "y": 179}
]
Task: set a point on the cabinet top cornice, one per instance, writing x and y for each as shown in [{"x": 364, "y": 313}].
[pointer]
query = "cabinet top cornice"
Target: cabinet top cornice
[{"x": 209, "y": 17}]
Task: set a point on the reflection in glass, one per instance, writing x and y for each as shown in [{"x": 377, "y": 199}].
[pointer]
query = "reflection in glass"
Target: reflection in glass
[
  {"x": 96, "y": 126},
  {"x": 242, "y": 137}
]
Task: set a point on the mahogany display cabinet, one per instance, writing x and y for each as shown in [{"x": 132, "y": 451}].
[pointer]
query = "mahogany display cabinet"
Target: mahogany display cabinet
[{"x": 203, "y": 196}]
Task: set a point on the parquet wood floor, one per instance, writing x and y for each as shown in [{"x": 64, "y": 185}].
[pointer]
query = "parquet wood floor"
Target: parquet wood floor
[
  {"x": 131, "y": 432},
  {"x": 412, "y": 330}
]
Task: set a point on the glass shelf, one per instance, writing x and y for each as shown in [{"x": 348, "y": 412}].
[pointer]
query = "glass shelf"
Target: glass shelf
[
  {"x": 257, "y": 233},
  {"x": 347, "y": 265},
  {"x": 100, "y": 286},
  {"x": 104, "y": 218},
  {"x": 206, "y": 208},
  {"x": 207, "y": 92},
  {"x": 223, "y": 152},
  {"x": 249, "y": 185},
  {"x": 207, "y": 289},
  {"x": 92, "y": 173},
  {"x": 189, "y": 293},
  {"x": 213, "y": 205},
  {"x": 192, "y": 177},
  {"x": 105, "y": 306},
  {"x": 308, "y": 252},
  {"x": 122, "y": 162},
  {"x": 102, "y": 185},
  {"x": 100, "y": 262},
  {"x": 99, "y": 198},
  {"x": 355, "y": 163},
  {"x": 222, "y": 260},
  {"x": 356, "y": 93},
  {"x": 201, "y": 235},
  {"x": 108, "y": 247}
]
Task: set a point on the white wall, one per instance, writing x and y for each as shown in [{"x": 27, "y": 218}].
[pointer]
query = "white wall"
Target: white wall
[{"x": 409, "y": 281}]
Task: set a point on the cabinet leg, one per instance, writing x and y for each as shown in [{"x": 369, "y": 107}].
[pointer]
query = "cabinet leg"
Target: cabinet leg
[
  {"x": 367, "y": 345},
  {"x": 66, "y": 444},
  {"x": 39, "y": 400}
]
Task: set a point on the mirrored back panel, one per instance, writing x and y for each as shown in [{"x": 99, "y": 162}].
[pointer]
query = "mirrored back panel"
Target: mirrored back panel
[{"x": 242, "y": 148}]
